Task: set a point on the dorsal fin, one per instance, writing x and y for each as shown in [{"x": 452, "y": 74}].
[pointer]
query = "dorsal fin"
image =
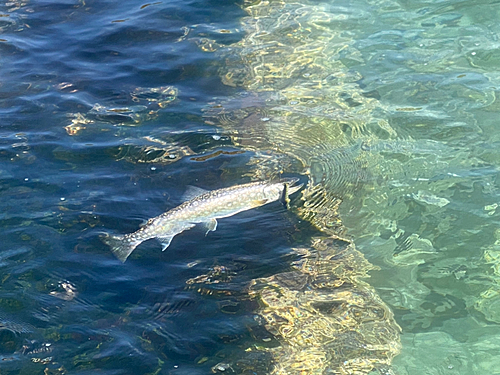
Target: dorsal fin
[
  {"x": 192, "y": 192},
  {"x": 144, "y": 222}
]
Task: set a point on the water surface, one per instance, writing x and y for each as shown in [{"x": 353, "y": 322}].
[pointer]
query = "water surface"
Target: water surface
[{"x": 103, "y": 125}]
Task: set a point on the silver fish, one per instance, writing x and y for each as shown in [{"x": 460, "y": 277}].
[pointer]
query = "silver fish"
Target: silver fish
[{"x": 205, "y": 208}]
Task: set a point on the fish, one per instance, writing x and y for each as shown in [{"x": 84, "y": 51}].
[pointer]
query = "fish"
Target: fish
[{"x": 204, "y": 208}]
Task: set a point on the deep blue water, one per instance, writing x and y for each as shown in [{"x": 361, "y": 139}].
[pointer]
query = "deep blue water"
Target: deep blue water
[{"x": 102, "y": 127}]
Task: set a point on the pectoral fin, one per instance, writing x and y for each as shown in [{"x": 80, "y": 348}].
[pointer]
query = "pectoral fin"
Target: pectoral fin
[
  {"x": 211, "y": 225},
  {"x": 165, "y": 242}
]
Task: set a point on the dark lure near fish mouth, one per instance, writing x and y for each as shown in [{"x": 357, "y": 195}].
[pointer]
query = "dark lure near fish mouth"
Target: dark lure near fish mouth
[{"x": 205, "y": 208}]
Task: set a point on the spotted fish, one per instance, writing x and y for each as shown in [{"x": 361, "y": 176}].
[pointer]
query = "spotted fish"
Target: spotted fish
[{"x": 204, "y": 208}]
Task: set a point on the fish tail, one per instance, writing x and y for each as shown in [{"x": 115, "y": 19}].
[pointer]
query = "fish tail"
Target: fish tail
[{"x": 121, "y": 246}]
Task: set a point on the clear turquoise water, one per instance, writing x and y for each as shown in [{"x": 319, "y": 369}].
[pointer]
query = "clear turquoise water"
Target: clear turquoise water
[{"x": 101, "y": 108}]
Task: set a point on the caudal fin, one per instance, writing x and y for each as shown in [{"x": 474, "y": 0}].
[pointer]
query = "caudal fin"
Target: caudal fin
[{"x": 120, "y": 246}]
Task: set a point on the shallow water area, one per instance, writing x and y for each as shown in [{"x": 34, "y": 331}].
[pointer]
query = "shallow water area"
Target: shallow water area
[{"x": 111, "y": 110}]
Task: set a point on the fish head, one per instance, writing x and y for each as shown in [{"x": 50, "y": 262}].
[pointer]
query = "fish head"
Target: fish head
[{"x": 275, "y": 191}]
